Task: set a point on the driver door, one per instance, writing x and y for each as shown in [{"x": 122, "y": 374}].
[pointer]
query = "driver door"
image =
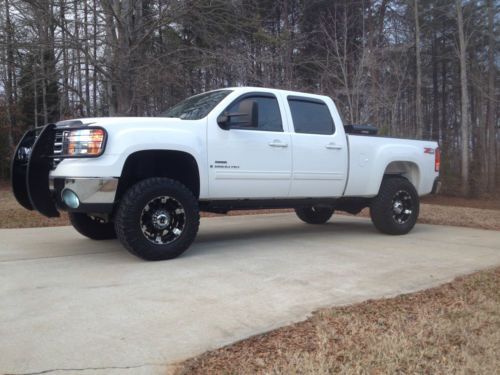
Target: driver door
[{"x": 250, "y": 162}]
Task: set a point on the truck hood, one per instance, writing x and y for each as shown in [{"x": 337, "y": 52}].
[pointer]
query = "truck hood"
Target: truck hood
[
  {"x": 115, "y": 123},
  {"x": 130, "y": 134}
]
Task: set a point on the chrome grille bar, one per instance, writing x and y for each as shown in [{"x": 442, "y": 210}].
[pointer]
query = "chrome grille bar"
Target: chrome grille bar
[{"x": 58, "y": 147}]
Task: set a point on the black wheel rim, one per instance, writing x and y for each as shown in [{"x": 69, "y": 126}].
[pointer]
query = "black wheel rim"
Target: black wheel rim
[
  {"x": 402, "y": 207},
  {"x": 162, "y": 220}
]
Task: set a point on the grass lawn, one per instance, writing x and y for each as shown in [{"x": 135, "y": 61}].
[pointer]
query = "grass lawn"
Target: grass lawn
[{"x": 13, "y": 215}]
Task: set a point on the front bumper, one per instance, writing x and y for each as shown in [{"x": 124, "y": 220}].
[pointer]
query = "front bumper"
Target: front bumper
[
  {"x": 33, "y": 188},
  {"x": 95, "y": 194}
]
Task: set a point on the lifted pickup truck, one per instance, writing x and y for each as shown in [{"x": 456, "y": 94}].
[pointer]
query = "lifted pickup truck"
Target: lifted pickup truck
[{"x": 145, "y": 180}]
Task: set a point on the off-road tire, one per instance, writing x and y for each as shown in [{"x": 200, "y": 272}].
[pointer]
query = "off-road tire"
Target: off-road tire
[
  {"x": 314, "y": 215},
  {"x": 92, "y": 228},
  {"x": 382, "y": 206},
  {"x": 131, "y": 208}
]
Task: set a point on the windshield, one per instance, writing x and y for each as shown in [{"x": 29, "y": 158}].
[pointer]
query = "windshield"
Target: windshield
[{"x": 196, "y": 107}]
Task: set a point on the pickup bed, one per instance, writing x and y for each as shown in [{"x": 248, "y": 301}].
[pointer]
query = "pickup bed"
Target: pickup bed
[{"x": 145, "y": 180}]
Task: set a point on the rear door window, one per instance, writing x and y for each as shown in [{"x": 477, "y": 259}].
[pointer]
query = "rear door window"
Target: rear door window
[{"x": 311, "y": 116}]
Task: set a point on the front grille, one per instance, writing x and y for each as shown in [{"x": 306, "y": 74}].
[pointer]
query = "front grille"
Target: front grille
[{"x": 58, "y": 148}]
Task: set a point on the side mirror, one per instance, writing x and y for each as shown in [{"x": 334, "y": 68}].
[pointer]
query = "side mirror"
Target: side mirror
[
  {"x": 223, "y": 120},
  {"x": 247, "y": 116}
]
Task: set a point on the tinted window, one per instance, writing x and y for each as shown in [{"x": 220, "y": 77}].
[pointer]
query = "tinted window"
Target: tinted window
[
  {"x": 311, "y": 117},
  {"x": 196, "y": 107},
  {"x": 269, "y": 113}
]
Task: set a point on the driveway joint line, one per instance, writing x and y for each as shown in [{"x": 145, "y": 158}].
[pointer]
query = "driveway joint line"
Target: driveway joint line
[{"x": 88, "y": 369}]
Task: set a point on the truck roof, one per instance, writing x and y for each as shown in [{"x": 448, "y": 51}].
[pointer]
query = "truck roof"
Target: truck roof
[{"x": 244, "y": 89}]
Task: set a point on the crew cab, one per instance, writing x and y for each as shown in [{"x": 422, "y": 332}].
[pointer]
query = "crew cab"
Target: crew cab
[{"x": 144, "y": 180}]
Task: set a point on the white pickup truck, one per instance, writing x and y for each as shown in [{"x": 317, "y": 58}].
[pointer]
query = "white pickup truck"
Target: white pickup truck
[{"x": 145, "y": 180}]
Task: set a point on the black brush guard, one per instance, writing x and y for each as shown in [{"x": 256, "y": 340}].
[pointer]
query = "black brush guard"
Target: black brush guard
[{"x": 31, "y": 164}]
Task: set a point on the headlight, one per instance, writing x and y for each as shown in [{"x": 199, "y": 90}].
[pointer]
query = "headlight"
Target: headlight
[{"x": 83, "y": 142}]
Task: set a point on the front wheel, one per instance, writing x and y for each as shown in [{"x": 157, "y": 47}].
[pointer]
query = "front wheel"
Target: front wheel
[
  {"x": 314, "y": 215},
  {"x": 92, "y": 227},
  {"x": 157, "y": 219},
  {"x": 396, "y": 207}
]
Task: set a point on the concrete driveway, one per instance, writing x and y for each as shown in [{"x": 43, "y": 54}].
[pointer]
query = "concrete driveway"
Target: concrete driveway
[{"x": 71, "y": 305}]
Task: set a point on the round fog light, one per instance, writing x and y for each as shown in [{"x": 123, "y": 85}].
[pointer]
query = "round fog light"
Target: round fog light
[{"x": 70, "y": 198}]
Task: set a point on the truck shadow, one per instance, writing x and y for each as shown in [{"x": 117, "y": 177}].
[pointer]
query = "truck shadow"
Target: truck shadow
[
  {"x": 222, "y": 239},
  {"x": 216, "y": 240},
  {"x": 281, "y": 231}
]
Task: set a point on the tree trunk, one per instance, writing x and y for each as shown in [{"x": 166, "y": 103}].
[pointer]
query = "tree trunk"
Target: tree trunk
[
  {"x": 35, "y": 95},
  {"x": 444, "y": 98},
  {"x": 491, "y": 108},
  {"x": 10, "y": 76},
  {"x": 94, "y": 47},
  {"x": 418, "y": 93},
  {"x": 63, "y": 107},
  {"x": 86, "y": 60},
  {"x": 435, "y": 92},
  {"x": 464, "y": 124},
  {"x": 44, "y": 87},
  {"x": 287, "y": 58},
  {"x": 77, "y": 59}
]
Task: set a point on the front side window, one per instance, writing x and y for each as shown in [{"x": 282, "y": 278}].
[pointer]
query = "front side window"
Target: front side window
[
  {"x": 269, "y": 113},
  {"x": 196, "y": 107},
  {"x": 311, "y": 116}
]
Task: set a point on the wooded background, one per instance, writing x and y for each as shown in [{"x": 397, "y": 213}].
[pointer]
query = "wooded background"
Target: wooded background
[{"x": 413, "y": 68}]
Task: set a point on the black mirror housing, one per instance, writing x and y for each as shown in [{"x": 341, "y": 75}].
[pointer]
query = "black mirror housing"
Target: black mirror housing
[
  {"x": 248, "y": 116},
  {"x": 223, "y": 121}
]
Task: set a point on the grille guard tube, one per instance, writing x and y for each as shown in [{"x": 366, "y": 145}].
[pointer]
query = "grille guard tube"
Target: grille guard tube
[
  {"x": 19, "y": 168},
  {"x": 30, "y": 179}
]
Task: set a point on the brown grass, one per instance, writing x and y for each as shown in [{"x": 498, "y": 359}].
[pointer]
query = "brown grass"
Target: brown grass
[
  {"x": 12, "y": 215},
  {"x": 455, "y": 215},
  {"x": 489, "y": 203},
  {"x": 454, "y": 328}
]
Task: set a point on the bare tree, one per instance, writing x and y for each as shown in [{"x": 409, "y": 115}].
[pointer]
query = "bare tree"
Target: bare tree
[
  {"x": 464, "y": 112},
  {"x": 418, "y": 61},
  {"x": 491, "y": 107},
  {"x": 9, "y": 90}
]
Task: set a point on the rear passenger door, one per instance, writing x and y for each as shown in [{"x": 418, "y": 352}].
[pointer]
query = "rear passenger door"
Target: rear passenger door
[{"x": 319, "y": 152}]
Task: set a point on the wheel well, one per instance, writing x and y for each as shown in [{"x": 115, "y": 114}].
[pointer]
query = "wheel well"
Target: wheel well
[
  {"x": 177, "y": 165},
  {"x": 407, "y": 169}
]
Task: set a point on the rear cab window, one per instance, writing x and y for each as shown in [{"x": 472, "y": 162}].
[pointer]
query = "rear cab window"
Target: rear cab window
[{"x": 311, "y": 116}]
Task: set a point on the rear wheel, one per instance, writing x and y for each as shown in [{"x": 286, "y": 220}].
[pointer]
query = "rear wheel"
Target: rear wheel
[
  {"x": 395, "y": 209},
  {"x": 314, "y": 214},
  {"x": 157, "y": 219},
  {"x": 92, "y": 227}
]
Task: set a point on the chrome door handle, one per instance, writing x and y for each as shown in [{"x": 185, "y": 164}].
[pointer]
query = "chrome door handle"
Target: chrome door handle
[
  {"x": 277, "y": 143},
  {"x": 333, "y": 146}
]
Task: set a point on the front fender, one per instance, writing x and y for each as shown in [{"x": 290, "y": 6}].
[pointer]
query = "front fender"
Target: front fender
[{"x": 124, "y": 142}]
